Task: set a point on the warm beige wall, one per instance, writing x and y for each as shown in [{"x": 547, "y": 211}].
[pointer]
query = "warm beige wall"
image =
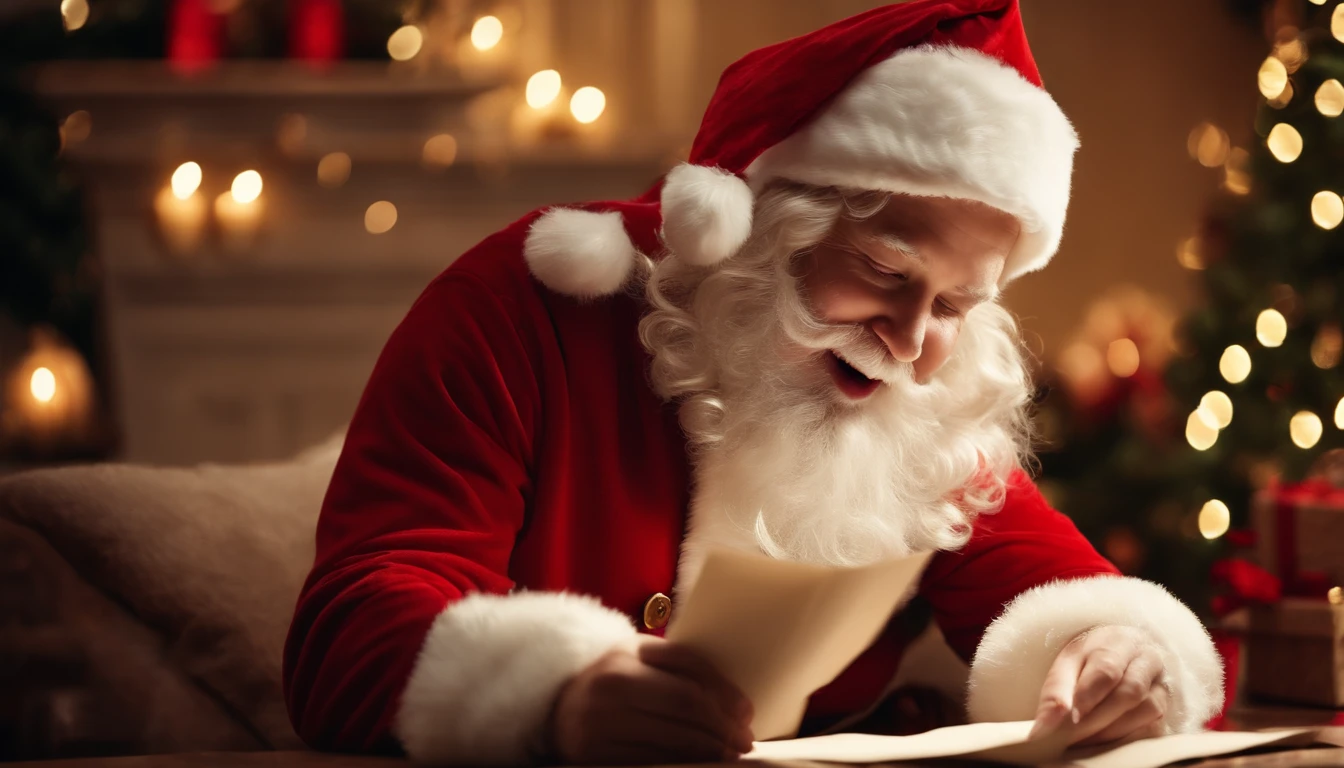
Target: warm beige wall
[{"x": 1134, "y": 76}]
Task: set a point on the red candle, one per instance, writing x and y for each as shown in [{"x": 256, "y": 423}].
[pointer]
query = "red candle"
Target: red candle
[
  {"x": 316, "y": 31},
  {"x": 195, "y": 35}
]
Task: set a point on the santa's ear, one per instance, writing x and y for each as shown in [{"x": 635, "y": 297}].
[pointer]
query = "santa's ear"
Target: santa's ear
[{"x": 706, "y": 213}]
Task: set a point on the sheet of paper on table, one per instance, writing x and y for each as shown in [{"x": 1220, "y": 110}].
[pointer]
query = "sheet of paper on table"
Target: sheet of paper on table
[
  {"x": 782, "y": 630},
  {"x": 1007, "y": 743}
]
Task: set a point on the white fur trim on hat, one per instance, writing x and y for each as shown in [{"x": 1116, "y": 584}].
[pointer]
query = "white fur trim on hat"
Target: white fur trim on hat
[
  {"x": 489, "y": 670},
  {"x": 706, "y": 213},
  {"x": 580, "y": 253},
  {"x": 947, "y": 122},
  {"x": 1017, "y": 650}
]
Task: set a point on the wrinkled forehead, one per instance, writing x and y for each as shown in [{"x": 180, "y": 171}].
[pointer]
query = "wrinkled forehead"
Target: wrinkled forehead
[{"x": 912, "y": 216}]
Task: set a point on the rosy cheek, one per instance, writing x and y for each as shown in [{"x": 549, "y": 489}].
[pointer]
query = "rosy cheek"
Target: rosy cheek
[
  {"x": 823, "y": 297},
  {"x": 843, "y": 299},
  {"x": 938, "y": 344}
]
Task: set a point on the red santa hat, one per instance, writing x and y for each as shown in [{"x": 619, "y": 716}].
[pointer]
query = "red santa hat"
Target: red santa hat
[{"x": 929, "y": 97}]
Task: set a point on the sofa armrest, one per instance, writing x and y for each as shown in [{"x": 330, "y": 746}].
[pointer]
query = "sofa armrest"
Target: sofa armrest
[{"x": 79, "y": 676}]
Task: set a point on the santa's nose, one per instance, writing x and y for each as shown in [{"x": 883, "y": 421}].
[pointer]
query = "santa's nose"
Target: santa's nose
[{"x": 903, "y": 337}]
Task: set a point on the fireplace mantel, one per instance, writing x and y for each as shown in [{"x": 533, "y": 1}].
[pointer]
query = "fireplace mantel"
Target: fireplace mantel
[{"x": 225, "y": 355}]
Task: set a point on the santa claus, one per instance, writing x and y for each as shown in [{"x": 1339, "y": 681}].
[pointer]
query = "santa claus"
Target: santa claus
[{"x": 791, "y": 345}]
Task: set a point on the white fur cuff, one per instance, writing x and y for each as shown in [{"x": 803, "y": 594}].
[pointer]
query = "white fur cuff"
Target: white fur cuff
[
  {"x": 489, "y": 670},
  {"x": 1017, "y": 650}
]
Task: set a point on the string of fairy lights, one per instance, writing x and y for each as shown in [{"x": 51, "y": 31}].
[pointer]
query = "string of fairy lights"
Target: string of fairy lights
[{"x": 1210, "y": 146}]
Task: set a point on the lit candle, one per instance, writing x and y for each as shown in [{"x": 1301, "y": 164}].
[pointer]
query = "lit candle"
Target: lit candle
[
  {"x": 587, "y": 106},
  {"x": 486, "y": 52},
  {"x": 181, "y": 211},
  {"x": 238, "y": 211},
  {"x": 49, "y": 395},
  {"x": 545, "y": 114}
]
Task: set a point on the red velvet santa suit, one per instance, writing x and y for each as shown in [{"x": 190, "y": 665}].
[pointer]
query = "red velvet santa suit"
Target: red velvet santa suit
[{"x": 512, "y": 493}]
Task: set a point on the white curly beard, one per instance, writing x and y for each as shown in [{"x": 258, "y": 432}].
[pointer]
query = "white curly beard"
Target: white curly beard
[{"x": 796, "y": 470}]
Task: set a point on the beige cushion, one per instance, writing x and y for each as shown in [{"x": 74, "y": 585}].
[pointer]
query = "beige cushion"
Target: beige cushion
[
  {"x": 80, "y": 675},
  {"x": 211, "y": 558}
]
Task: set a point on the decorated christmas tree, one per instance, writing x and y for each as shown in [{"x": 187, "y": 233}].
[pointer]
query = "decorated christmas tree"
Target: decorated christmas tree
[
  {"x": 1262, "y": 381},
  {"x": 1161, "y": 438},
  {"x": 1261, "y": 386}
]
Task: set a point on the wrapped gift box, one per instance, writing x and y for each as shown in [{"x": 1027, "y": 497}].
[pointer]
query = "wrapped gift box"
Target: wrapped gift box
[
  {"x": 1295, "y": 651},
  {"x": 1299, "y": 533}
]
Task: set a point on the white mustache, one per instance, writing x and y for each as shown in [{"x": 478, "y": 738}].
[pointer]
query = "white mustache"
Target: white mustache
[
  {"x": 857, "y": 346},
  {"x": 874, "y": 361}
]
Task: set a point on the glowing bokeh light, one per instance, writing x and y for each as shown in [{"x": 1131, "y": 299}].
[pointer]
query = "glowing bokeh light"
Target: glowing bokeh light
[
  {"x": 587, "y": 104},
  {"x": 186, "y": 180},
  {"x": 486, "y": 33},
  {"x": 1235, "y": 364},
  {"x": 1214, "y": 519},
  {"x": 405, "y": 43},
  {"x": 1219, "y": 405},
  {"x": 380, "y": 217},
  {"x": 543, "y": 88},
  {"x": 1285, "y": 143},
  {"x": 333, "y": 169},
  {"x": 1271, "y": 328},
  {"x": 1305, "y": 429},
  {"x": 246, "y": 187},
  {"x": 1327, "y": 209},
  {"x": 42, "y": 385}
]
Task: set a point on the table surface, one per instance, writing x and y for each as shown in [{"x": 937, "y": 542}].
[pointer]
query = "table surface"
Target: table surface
[{"x": 1331, "y": 754}]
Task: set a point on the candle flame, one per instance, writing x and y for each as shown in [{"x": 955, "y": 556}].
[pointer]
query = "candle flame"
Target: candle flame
[
  {"x": 74, "y": 13},
  {"x": 486, "y": 33},
  {"x": 186, "y": 180},
  {"x": 587, "y": 104},
  {"x": 246, "y": 186},
  {"x": 42, "y": 385},
  {"x": 405, "y": 43},
  {"x": 542, "y": 88}
]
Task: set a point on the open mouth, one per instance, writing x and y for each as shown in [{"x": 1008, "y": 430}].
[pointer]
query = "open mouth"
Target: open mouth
[{"x": 849, "y": 379}]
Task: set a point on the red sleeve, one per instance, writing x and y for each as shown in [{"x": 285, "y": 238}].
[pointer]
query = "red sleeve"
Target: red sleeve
[
  {"x": 424, "y": 506},
  {"x": 1026, "y": 544}
]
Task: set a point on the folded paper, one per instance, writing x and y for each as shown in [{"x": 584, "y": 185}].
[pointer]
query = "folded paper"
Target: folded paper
[
  {"x": 1008, "y": 743},
  {"x": 781, "y": 630}
]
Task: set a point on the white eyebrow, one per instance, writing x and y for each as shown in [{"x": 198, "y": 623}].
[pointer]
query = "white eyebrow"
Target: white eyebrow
[
  {"x": 894, "y": 243},
  {"x": 980, "y": 295}
]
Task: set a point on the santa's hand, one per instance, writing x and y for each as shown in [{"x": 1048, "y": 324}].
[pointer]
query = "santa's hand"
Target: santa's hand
[
  {"x": 1108, "y": 683},
  {"x": 650, "y": 701}
]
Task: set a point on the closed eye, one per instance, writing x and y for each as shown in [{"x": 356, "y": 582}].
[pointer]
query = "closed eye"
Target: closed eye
[{"x": 884, "y": 270}]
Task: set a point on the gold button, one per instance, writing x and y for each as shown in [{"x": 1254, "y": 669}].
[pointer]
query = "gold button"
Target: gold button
[{"x": 657, "y": 609}]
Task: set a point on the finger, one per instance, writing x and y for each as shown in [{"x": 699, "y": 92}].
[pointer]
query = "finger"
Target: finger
[
  {"x": 1057, "y": 691},
  {"x": 1109, "y": 656},
  {"x": 665, "y": 696},
  {"x": 1101, "y": 673},
  {"x": 1134, "y": 687},
  {"x": 1134, "y": 724},
  {"x": 680, "y": 660}
]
